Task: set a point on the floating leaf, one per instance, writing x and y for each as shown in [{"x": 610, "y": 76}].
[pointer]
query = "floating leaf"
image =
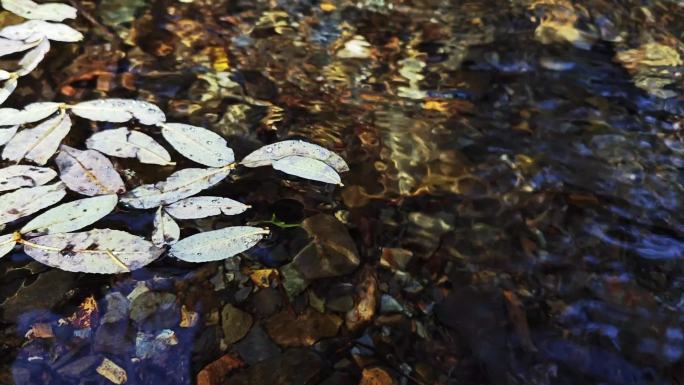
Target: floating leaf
[
  {"x": 198, "y": 144},
  {"x": 123, "y": 143},
  {"x": 27, "y": 201},
  {"x": 181, "y": 184},
  {"x": 31, "y": 113},
  {"x": 34, "y": 11},
  {"x": 72, "y": 216},
  {"x": 34, "y": 30},
  {"x": 101, "y": 251},
  {"x": 7, "y": 243},
  {"x": 88, "y": 172},
  {"x": 119, "y": 111},
  {"x": 166, "y": 230},
  {"x": 8, "y": 47},
  {"x": 18, "y": 176},
  {"x": 202, "y": 207},
  {"x": 33, "y": 57},
  {"x": 4, "y": 75},
  {"x": 7, "y": 133},
  {"x": 308, "y": 168},
  {"x": 7, "y": 88},
  {"x": 217, "y": 244},
  {"x": 265, "y": 155},
  {"x": 39, "y": 143}
]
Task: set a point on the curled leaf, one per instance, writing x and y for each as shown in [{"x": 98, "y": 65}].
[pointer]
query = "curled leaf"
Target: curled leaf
[
  {"x": 123, "y": 143},
  {"x": 8, "y": 47},
  {"x": 29, "y": 114},
  {"x": 119, "y": 111},
  {"x": 181, "y": 184},
  {"x": 166, "y": 230},
  {"x": 34, "y": 11},
  {"x": 26, "y": 201},
  {"x": 307, "y": 168},
  {"x": 266, "y": 155},
  {"x": 217, "y": 244},
  {"x": 72, "y": 216},
  {"x": 18, "y": 176},
  {"x": 202, "y": 207},
  {"x": 39, "y": 143},
  {"x": 101, "y": 251},
  {"x": 7, "y": 243},
  {"x": 88, "y": 172},
  {"x": 34, "y": 30},
  {"x": 198, "y": 144},
  {"x": 7, "y": 88},
  {"x": 33, "y": 57}
]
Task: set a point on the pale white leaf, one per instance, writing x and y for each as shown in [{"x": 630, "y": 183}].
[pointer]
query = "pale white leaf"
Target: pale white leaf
[
  {"x": 31, "y": 113},
  {"x": 18, "y": 176},
  {"x": 198, "y": 144},
  {"x": 88, "y": 172},
  {"x": 72, "y": 216},
  {"x": 7, "y": 243},
  {"x": 33, "y": 57},
  {"x": 4, "y": 75},
  {"x": 166, "y": 230},
  {"x": 307, "y": 168},
  {"x": 119, "y": 111},
  {"x": 7, "y": 88},
  {"x": 8, "y": 47},
  {"x": 34, "y": 11},
  {"x": 26, "y": 201},
  {"x": 101, "y": 251},
  {"x": 38, "y": 144},
  {"x": 205, "y": 206},
  {"x": 181, "y": 184},
  {"x": 7, "y": 133},
  {"x": 34, "y": 30},
  {"x": 217, "y": 244},
  {"x": 123, "y": 143},
  {"x": 266, "y": 155}
]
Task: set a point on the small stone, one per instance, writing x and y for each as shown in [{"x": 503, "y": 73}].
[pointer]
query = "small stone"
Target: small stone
[
  {"x": 155, "y": 310},
  {"x": 288, "y": 329},
  {"x": 293, "y": 367},
  {"x": 113, "y": 339},
  {"x": 316, "y": 302},
  {"x": 188, "y": 318},
  {"x": 376, "y": 376},
  {"x": 293, "y": 281},
  {"x": 256, "y": 346},
  {"x": 236, "y": 323},
  {"x": 111, "y": 371},
  {"x": 117, "y": 308},
  {"x": 390, "y": 305},
  {"x": 395, "y": 258},
  {"x": 216, "y": 372},
  {"x": 266, "y": 302},
  {"x": 81, "y": 367},
  {"x": 341, "y": 304}
]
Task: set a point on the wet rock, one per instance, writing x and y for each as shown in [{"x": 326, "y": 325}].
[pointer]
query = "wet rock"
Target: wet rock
[
  {"x": 44, "y": 293},
  {"x": 293, "y": 367},
  {"x": 390, "y": 305},
  {"x": 339, "y": 378},
  {"x": 155, "y": 310},
  {"x": 339, "y": 297},
  {"x": 376, "y": 376},
  {"x": 293, "y": 281},
  {"x": 235, "y": 323},
  {"x": 332, "y": 252},
  {"x": 395, "y": 258},
  {"x": 113, "y": 339},
  {"x": 366, "y": 300},
  {"x": 206, "y": 346},
  {"x": 117, "y": 308},
  {"x": 216, "y": 372},
  {"x": 81, "y": 367},
  {"x": 266, "y": 302},
  {"x": 148, "y": 345},
  {"x": 256, "y": 346},
  {"x": 288, "y": 329}
]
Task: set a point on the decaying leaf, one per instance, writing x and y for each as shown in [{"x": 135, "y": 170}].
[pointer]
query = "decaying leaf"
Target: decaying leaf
[
  {"x": 26, "y": 201},
  {"x": 198, "y": 144},
  {"x": 101, "y": 251},
  {"x": 31, "y": 113},
  {"x": 266, "y": 155},
  {"x": 111, "y": 371},
  {"x": 35, "y": 30},
  {"x": 202, "y": 207},
  {"x": 307, "y": 168},
  {"x": 166, "y": 230},
  {"x": 33, "y": 57},
  {"x": 38, "y": 144},
  {"x": 119, "y": 111},
  {"x": 18, "y": 176},
  {"x": 7, "y": 88},
  {"x": 7, "y": 133},
  {"x": 8, "y": 47},
  {"x": 181, "y": 184},
  {"x": 7, "y": 243},
  {"x": 123, "y": 143},
  {"x": 217, "y": 244},
  {"x": 88, "y": 172},
  {"x": 34, "y": 11},
  {"x": 72, "y": 216}
]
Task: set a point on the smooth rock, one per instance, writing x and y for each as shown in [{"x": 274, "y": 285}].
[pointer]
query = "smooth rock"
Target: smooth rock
[
  {"x": 293, "y": 367},
  {"x": 235, "y": 322},
  {"x": 256, "y": 346},
  {"x": 117, "y": 308},
  {"x": 288, "y": 329}
]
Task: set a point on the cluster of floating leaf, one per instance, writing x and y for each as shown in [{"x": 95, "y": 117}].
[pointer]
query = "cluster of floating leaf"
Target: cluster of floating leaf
[{"x": 50, "y": 238}]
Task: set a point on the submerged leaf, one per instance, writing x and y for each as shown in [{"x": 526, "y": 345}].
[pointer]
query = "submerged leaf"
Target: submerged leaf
[
  {"x": 88, "y": 172},
  {"x": 33, "y": 57},
  {"x": 72, "y": 216},
  {"x": 202, "y": 207},
  {"x": 198, "y": 144},
  {"x": 166, "y": 230},
  {"x": 34, "y": 30},
  {"x": 39, "y": 143},
  {"x": 308, "y": 168},
  {"x": 34, "y": 11},
  {"x": 119, "y": 111},
  {"x": 7, "y": 88},
  {"x": 266, "y": 155},
  {"x": 18, "y": 176},
  {"x": 7, "y": 133},
  {"x": 181, "y": 184},
  {"x": 217, "y": 244},
  {"x": 31, "y": 113},
  {"x": 123, "y": 143},
  {"x": 101, "y": 251},
  {"x": 26, "y": 201},
  {"x": 7, "y": 243}
]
